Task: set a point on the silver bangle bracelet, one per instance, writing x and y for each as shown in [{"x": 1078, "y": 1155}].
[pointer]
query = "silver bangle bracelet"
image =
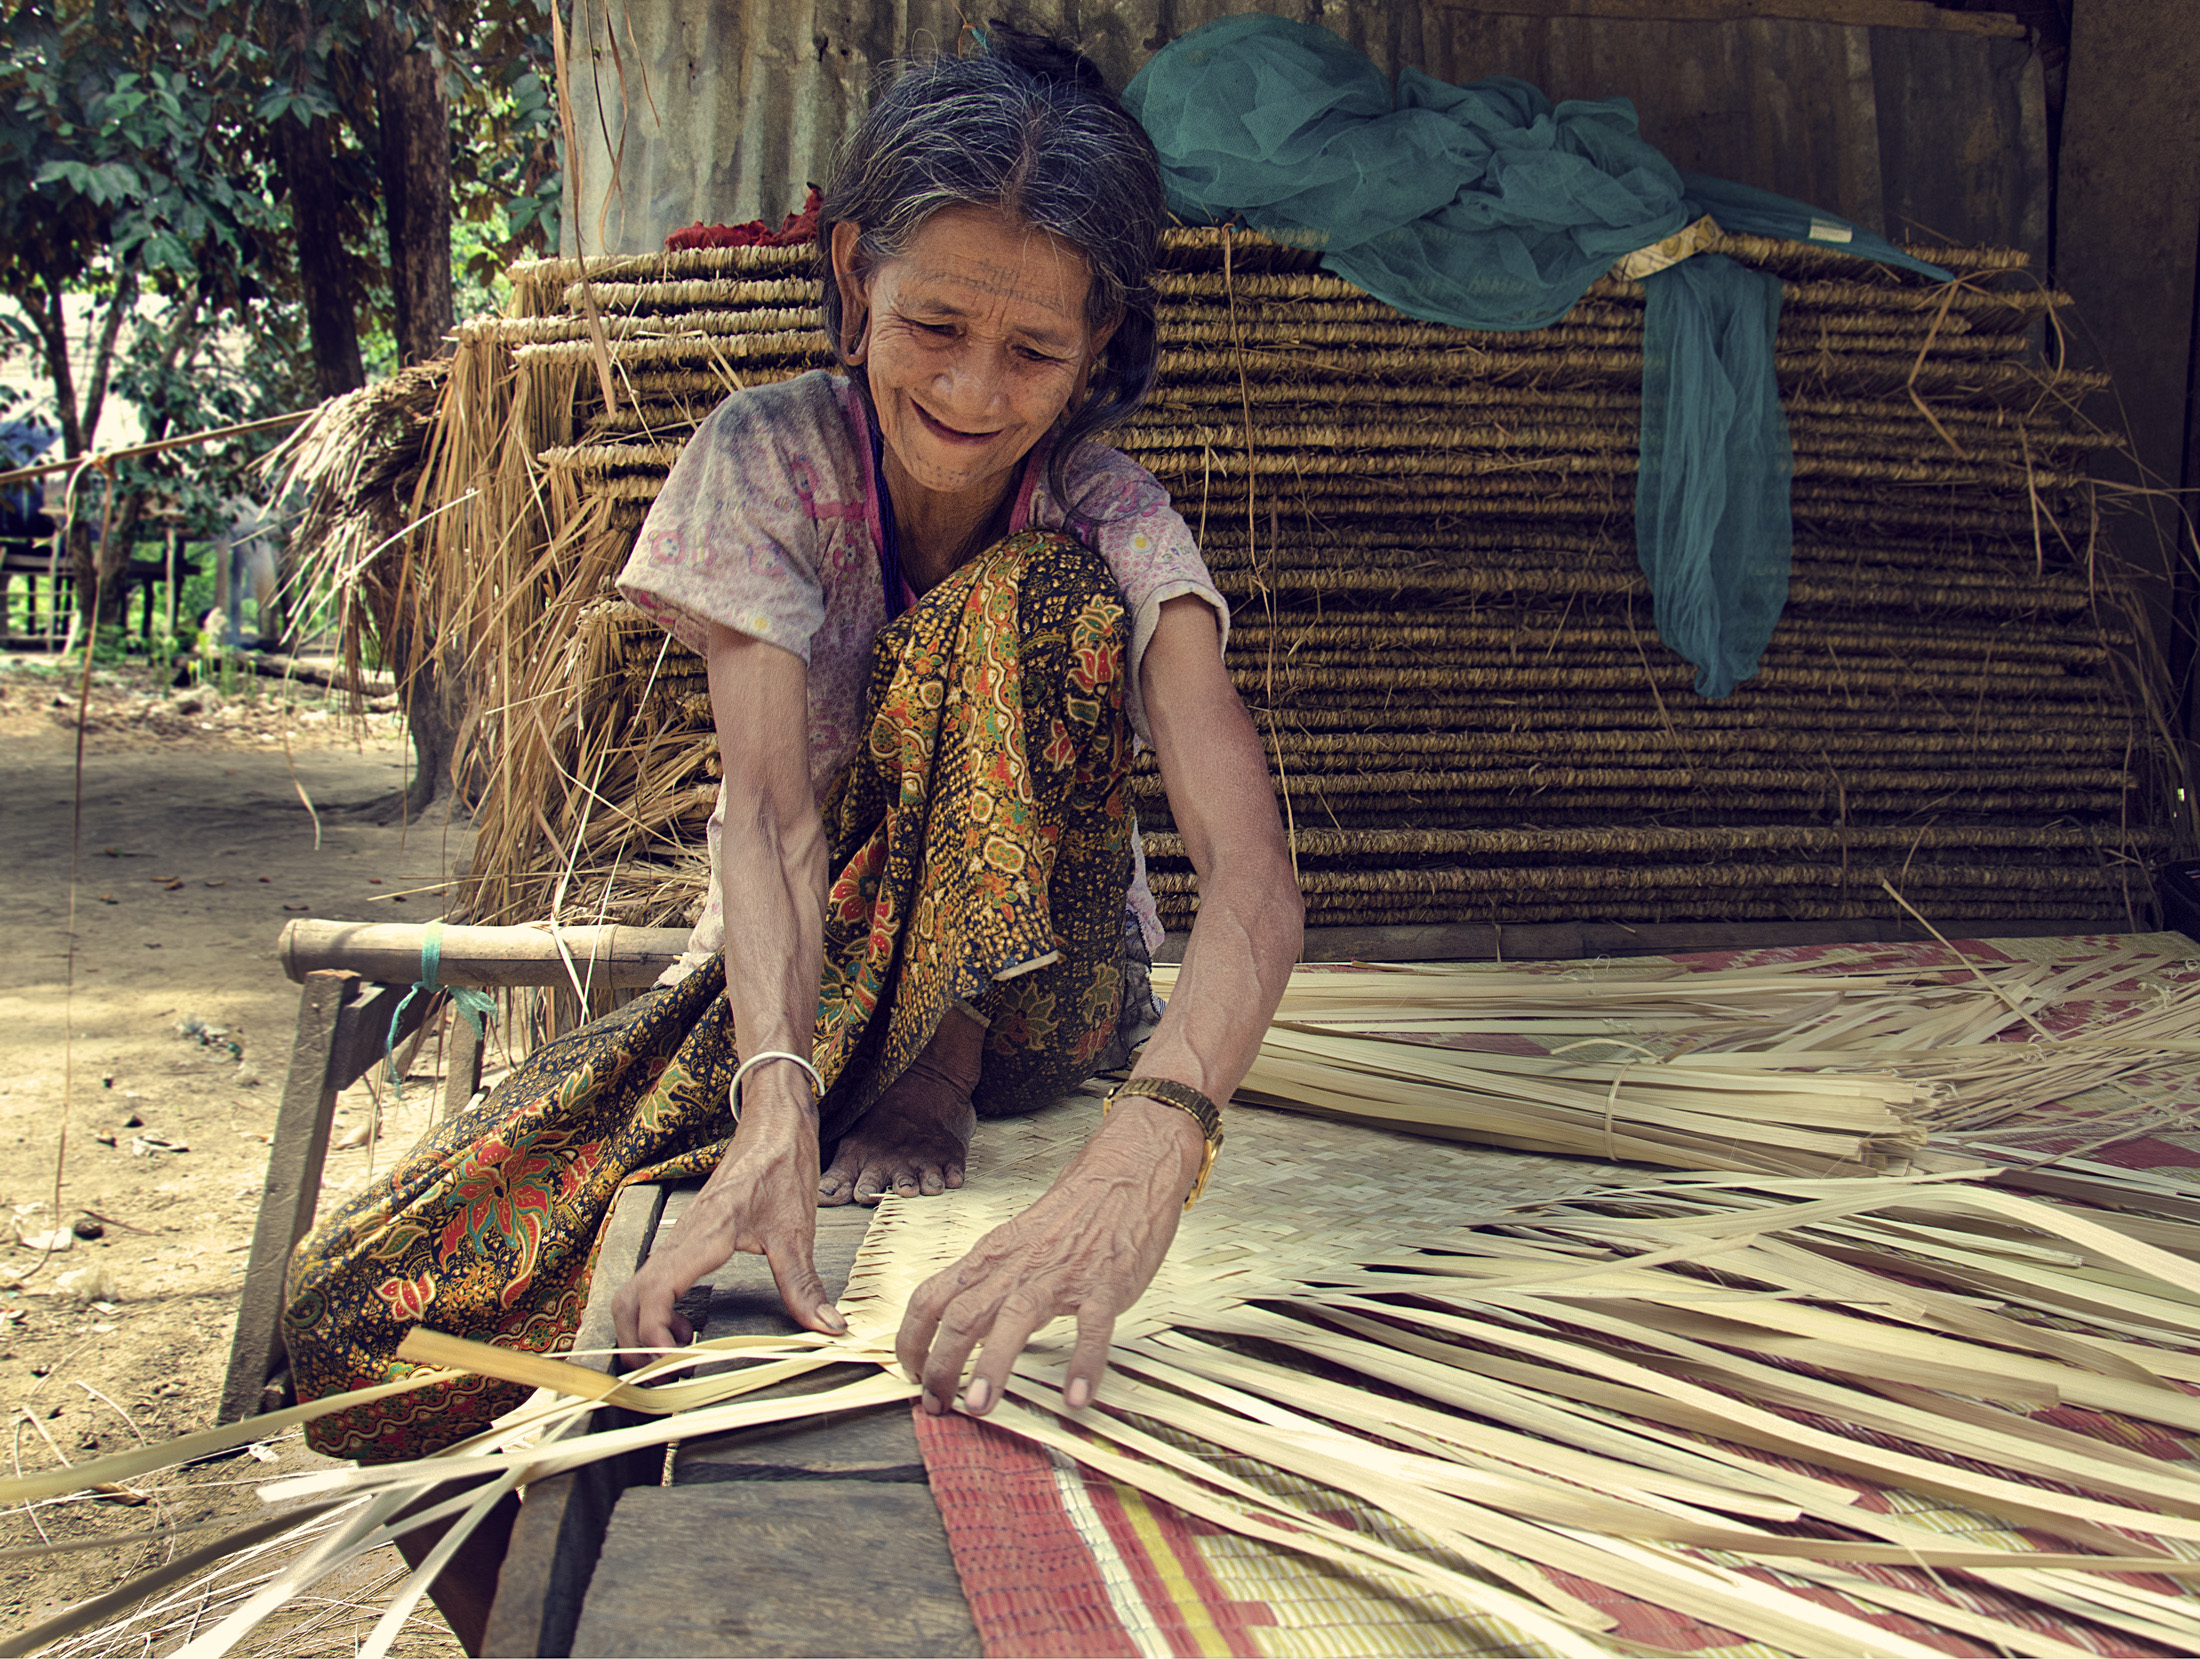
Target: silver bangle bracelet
[{"x": 817, "y": 1084}]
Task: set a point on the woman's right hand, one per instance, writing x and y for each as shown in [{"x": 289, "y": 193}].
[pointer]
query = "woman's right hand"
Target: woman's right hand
[{"x": 762, "y": 1200}]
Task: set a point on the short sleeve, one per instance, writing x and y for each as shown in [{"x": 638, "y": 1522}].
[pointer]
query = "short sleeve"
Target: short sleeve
[
  {"x": 1126, "y": 514},
  {"x": 734, "y": 536}
]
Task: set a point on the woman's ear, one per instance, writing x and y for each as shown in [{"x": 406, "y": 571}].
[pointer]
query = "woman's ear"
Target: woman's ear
[
  {"x": 855, "y": 297},
  {"x": 1100, "y": 338}
]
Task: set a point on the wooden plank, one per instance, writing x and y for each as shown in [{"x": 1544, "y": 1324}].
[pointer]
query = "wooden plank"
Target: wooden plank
[
  {"x": 1887, "y": 14},
  {"x": 294, "y": 1159},
  {"x": 740, "y": 1300},
  {"x": 2127, "y": 247},
  {"x": 826, "y": 1567},
  {"x": 1566, "y": 941},
  {"x": 481, "y": 956},
  {"x": 560, "y": 1531},
  {"x": 371, "y": 1029},
  {"x": 463, "y": 1043},
  {"x": 839, "y": 1502}
]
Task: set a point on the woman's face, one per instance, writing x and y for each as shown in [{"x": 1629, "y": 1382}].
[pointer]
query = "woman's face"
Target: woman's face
[{"x": 974, "y": 341}]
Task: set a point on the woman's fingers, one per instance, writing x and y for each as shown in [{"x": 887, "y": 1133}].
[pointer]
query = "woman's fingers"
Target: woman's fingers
[
  {"x": 642, "y": 1314},
  {"x": 794, "y": 1271},
  {"x": 920, "y": 1326},
  {"x": 1088, "y": 1361},
  {"x": 1020, "y": 1316},
  {"x": 969, "y": 1319}
]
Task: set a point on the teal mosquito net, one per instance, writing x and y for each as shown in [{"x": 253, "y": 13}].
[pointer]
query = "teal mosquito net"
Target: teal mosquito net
[{"x": 1489, "y": 206}]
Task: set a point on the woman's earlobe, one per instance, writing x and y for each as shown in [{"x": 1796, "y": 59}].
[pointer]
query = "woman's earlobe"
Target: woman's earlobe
[{"x": 855, "y": 298}]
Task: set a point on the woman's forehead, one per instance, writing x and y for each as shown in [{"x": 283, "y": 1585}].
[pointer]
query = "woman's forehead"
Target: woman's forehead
[{"x": 969, "y": 259}]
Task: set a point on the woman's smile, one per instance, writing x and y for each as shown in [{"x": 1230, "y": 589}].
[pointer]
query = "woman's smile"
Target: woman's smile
[{"x": 949, "y": 434}]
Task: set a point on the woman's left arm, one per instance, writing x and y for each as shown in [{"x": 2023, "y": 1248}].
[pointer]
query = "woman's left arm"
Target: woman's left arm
[{"x": 1091, "y": 1243}]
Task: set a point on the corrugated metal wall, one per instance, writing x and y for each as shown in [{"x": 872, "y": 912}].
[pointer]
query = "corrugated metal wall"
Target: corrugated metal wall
[
  {"x": 1934, "y": 132},
  {"x": 725, "y": 110}
]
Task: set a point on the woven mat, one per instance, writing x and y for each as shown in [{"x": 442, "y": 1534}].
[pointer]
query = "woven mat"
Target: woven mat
[{"x": 1058, "y": 1561}]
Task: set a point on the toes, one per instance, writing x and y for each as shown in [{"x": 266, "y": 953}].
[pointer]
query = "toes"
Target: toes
[{"x": 932, "y": 1183}]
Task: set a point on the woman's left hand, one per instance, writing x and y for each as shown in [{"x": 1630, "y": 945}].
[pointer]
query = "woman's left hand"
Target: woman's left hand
[{"x": 1088, "y": 1246}]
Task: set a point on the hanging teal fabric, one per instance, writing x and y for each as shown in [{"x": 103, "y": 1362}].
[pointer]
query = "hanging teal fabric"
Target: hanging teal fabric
[
  {"x": 1711, "y": 496},
  {"x": 1489, "y": 206}
]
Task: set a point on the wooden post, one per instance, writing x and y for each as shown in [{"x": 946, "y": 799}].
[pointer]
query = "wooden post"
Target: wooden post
[
  {"x": 221, "y": 585},
  {"x": 294, "y": 1161},
  {"x": 462, "y": 1046},
  {"x": 344, "y": 1028}
]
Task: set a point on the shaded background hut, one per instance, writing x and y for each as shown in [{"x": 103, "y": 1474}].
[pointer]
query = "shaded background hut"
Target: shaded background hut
[{"x": 1479, "y": 740}]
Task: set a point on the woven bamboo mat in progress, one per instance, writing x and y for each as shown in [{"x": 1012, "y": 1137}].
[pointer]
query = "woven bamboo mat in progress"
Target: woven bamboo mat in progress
[
  {"x": 1065, "y": 1556},
  {"x": 1809, "y": 1359},
  {"x": 1440, "y": 625}
]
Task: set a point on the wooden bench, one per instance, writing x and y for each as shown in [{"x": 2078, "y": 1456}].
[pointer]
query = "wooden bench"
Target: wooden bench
[
  {"x": 356, "y": 973},
  {"x": 355, "y": 976},
  {"x": 821, "y": 1539}
]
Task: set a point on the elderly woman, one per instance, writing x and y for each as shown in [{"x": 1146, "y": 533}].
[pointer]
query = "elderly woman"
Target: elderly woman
[
  {"x": 1019, "y": 600},
  {"x": 937, "y": 617}
]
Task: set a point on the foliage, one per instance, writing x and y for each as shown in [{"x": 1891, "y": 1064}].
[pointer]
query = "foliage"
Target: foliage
[
  {"x": 506, "y": 185},
  {"x": 113, "y": 159},
  {"x": 253, "y": 366},
  {"x": 142, "y": 169},
  {"x": 505, "y": 181},
  {"x": 122, "y": 173}
]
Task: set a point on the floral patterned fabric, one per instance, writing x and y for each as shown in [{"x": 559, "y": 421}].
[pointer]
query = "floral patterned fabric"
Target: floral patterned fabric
[
  {"x": 982, "y": 843},
  {"x": 771, "y": 525}
]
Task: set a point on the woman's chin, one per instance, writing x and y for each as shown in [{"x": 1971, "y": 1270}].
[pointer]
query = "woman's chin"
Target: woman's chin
[{"x": 958, "y": 471}]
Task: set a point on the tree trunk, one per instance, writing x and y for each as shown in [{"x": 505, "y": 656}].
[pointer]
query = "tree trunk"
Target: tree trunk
[
  {"x": 51, "y": 314},
  {"x": 332, "y": 303},
  {"x": 414, "y": 163},
  {"x": 93, "y": 585}
]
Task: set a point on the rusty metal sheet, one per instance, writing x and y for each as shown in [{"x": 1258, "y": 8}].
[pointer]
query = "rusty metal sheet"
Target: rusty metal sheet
[
  {"x": 725, "y": 112},
  {"x": 1901, "y": 130}
]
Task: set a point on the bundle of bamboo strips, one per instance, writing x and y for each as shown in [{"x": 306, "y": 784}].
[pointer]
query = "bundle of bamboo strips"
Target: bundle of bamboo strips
[
  {"x": 1440, "y": 619},
  {"x": 1771, "y": 1070},
  {"x": 1678, "y": 1392}
]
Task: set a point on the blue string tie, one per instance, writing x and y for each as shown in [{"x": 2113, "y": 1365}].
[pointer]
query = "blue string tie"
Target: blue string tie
[{"x": 477, "y": 1006}]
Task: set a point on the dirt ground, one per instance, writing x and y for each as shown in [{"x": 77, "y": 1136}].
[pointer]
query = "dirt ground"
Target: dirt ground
[{"x": 165, "y": 1060}]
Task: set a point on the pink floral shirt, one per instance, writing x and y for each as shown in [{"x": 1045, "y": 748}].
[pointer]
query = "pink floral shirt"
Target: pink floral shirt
[{"x": 770, "y": 526}]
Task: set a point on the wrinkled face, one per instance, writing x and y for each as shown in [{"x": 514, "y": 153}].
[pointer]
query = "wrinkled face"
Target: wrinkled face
[{"x": 974, "y": 340}]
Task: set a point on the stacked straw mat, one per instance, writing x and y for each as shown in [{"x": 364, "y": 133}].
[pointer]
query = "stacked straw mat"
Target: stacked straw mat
[{"x": 1441, "y": 629}]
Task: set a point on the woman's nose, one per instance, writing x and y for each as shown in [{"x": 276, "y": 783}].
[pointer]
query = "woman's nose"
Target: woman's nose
[{"x": 976, "y": 380}]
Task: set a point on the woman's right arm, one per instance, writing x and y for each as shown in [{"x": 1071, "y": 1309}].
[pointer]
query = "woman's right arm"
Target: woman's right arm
[{"x": 774, "y": 873}]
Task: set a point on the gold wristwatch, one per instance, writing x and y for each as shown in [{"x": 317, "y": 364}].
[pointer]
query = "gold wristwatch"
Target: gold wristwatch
[{"x": 1184, "y": 1098}]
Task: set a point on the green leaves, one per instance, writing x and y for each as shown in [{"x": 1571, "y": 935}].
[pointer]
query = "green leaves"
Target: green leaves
[{"x": 104, "y": 184}]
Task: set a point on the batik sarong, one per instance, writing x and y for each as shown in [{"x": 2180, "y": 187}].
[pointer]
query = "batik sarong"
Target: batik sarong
[{"x": 981, "y": 844}]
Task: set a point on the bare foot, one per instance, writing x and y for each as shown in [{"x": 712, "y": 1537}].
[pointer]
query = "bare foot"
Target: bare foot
[{"x": 915, "y": 1139}]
